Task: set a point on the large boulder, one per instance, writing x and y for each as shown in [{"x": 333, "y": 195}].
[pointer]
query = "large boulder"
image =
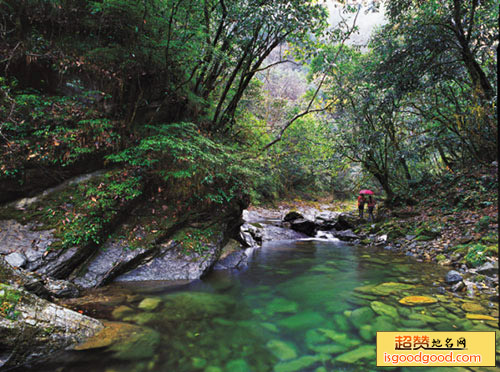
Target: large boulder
[
  {"x": 32, "y": 328},
  {"x": 346, "y": 221},
  {"x": 304, "y": 226}
]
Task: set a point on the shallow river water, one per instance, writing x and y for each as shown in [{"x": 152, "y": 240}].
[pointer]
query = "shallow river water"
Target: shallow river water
[{"x": 298, "y": 306}]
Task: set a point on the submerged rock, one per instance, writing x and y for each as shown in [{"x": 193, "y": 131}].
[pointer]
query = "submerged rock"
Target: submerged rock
[
  {"x": 361, "y": 353},
  {"x": 361, "y": 316},
  {"x": 281, "y": 305},
  {"x": 126, "y": 341},
  {"x": 383, "y": 309},
  {"x": 302, "y": 321},
  {"x": 282, "y": 350},
  {"x": 149, "y": 304},
  {"x": 299, "y": 364},
  {"x": 195, "y": 305}
]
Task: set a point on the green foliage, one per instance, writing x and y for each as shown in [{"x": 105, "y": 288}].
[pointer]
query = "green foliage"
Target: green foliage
[
  {"x": 50, "y": 130},
  {"x": 179, "y": 157},
  {"x": 196, "y": 241},
  {"x": 9, "y": 298},
  {"x": 477, "y": 254},
  {"x": 483, "y": 224}
]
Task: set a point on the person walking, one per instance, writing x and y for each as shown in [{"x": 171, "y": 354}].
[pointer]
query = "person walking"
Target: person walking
[
  {"x": 361, "y": 205},
  {"x": 371, "y": 206}
]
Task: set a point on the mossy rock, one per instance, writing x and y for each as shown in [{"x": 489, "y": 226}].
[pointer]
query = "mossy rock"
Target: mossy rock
[
  {"x": 126, "y": 341},
  {"x": 195, "y": 305},
  {"x": 300, "y": 364},
  {"x": 149, "y": 303},
  {"x": 479, "y": 317},
  {"x": 417, "y": 300},
  {"x": 281, "y": 305},
  {"x": 121, "y": 312},
  {"x": 361, "y": 316},
  {"x": 384, "y": 289},
  {"x": 238, "y": 365},
  {"x": 302, "y": 321},
  {"x": 471, "y": 307},
  {"x": 383, "y": 309},
  {"x": 365, "y": 352},
  {"x": 282, "y": 350}
]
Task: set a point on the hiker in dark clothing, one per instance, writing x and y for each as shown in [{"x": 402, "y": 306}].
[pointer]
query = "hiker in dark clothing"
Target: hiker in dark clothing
[
  {"x": 371, "y": 206},
  {"x": 361, "y": 205}
]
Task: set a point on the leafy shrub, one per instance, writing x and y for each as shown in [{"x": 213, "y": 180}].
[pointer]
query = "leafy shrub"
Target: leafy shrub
[{"x": 477, "y": 254}]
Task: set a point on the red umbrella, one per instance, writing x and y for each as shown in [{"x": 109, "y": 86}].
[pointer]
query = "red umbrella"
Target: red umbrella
[{"x": 366, "y": 192}]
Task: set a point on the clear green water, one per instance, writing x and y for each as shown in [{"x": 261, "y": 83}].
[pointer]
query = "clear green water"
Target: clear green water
[{"x": 299, "y": 306}]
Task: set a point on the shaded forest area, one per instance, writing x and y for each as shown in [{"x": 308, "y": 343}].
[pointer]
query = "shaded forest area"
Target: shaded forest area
[{"x": 197, "y": 105}]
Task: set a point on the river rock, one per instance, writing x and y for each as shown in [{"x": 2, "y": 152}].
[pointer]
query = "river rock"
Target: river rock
[
  {"x": 234, "y": 260},
  {"x": 292, "y": 216},
  {"x": 282, "y": 350},
  {"x": 304, "y": 320},
  {"x": 149, "y": 303},
  {"x": 304, "y": 226},
  {"x": 452, "y": 277},
  {"x": 346, "y": 235},
  {"x": 38, "y": 328},
  {"x": 362, "y": 352},
  {"x": 300, "y": 364},
  {"x": 471, "y": 307},
  {"x": 489, "y": 268},
  {"x": 195, "y": 306},
  {"x": 126, "y": 341},
  {"x": 384, "y": 309},
  {"x": 360, "y": 316},
  {"x": 281, "y": 305},
  {"x": 346, "y": 221},
  {"x": 457, "y": 287},
  {"x": 417, "y": 300},
  {"x": 16, "y": 259},
  {"x": 238, "y": 365},
  {"x": 121, "y": 312}
]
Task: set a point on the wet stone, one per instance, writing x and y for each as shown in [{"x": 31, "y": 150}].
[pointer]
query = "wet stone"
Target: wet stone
[
  {"x": 384, "y": 309},
  {"x": 282, "y": 350},
  {"x": 362, "y": 353},
  {"x": 453, "y": 277},
  {"x": 149, "y": 303},
  {"x": 361, "y": 316}
]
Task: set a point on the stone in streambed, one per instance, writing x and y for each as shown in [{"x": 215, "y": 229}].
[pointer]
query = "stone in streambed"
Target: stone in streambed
[
  {"x": 471, "y": 307},
  {"x": 362, "y": 352},
  {"x": 425, "y": 318},
  {"x": 121, "y": 312},
  {"x": 341, "y": 322},
  {"x": 417, "y": 300},
  {"x": 383, "y": 309},
  {"x": 453, "y": 277},
  {"x": 304, "y": 320},
  {"x": 149, "y": 304},
  {"x": 126, "y": 341},
  {"x": 384, "y": 324},
  {"x": 413, "y": 323},
  {"x": 281, "y": 305},
  {"x": 238, "y": 365},
  {"x": 479, "y": 317},
  {"x": 330, "y": 349},
  {"x": 384, "y": 289},
  {"x": 142, "y": 318},
  {"x": 361, "y": 316},
  {"x": 367, "y": 332},
  {"x": 16, "y": 259},
  {"x": 282, "y": 350},
  {"x": 299, "y": 364}
]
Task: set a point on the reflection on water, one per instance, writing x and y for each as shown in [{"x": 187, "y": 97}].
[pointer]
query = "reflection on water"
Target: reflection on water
[{"x": 298, "y": 306}]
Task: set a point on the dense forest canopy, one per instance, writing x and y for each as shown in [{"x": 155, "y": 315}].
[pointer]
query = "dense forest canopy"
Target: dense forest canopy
[{"x": 219, "y": 100}]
